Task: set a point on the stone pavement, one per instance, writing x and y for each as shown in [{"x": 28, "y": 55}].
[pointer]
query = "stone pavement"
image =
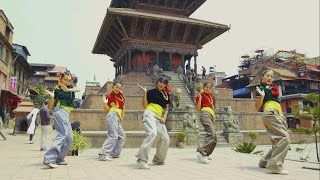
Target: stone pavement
[{"x": 19, "y": 160}]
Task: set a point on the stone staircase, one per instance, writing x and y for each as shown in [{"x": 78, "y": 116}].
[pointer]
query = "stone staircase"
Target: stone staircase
[
  {"x": 92, "y": 118},
  {"x": 176, "y": 82}
]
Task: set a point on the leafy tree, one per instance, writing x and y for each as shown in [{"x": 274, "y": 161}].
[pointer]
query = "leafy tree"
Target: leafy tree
[
  {"x": 39, "y": 99},
  {"x": 311, "y": 113},
  {"x": 40, "y": 89}
]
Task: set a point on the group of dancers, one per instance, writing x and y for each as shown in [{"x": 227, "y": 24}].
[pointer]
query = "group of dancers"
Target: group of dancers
[{"x": 155, "y": 102}]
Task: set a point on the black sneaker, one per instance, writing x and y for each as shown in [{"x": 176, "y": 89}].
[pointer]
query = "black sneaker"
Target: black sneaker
[
  {"x": 43, "y": 149},
  {"x": 62, "y": 162},
  {"x": 157, "y": 163}
]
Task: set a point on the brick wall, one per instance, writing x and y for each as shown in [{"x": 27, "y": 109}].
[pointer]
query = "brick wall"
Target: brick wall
[
  {"x": 94, "y": 120},
  {"x": 264, "y": 138},
  {"x": 237, "y": 104}
]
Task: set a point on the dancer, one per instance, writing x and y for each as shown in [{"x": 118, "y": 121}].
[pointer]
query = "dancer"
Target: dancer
[
  {"x": 155, "y": 102},
  {"x": 114, "y": 106},
  {"x": 204, "y": 103},
  {"x": 273, "y": 119},
  {"x": 63, "y": 96}
]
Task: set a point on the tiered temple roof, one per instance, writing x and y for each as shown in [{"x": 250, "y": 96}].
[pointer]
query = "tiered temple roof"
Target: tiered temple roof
[
  {"x": 176, "y": 7},
  {"x": 138, "y": 34},
  {"x": 123, "y": 27}
]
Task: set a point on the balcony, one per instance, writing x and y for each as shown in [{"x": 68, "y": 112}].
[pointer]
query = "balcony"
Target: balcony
[
  {"x": 299, "y": 91},
  {"x": 40, "y": 73},
  {"x": 245, "y": 72},
  {"x": 51, "y": 78}
]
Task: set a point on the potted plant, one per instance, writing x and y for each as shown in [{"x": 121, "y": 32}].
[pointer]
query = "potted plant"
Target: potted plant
[
  {"x": 253, "y": 136},
  {"x": 181, "y": 138},
  {"x": 80, "y": 142}
]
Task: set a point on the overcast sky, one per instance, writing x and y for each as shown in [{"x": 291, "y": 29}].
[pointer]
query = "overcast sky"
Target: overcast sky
[{"x": 63, "y": 32}]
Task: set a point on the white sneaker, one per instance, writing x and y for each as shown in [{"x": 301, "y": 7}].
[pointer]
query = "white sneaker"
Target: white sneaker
[
  {"x": 51, "y": 165},
  {"x": 104, "y": 157},
  {"x": 30, "y": 142},
  {"x": 142, "y": 164},
  {"x": 203, "y": 159},
  {"x": 281, "y": 172}
]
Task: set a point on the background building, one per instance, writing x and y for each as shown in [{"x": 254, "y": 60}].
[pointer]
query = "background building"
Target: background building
[
  {"x": 6, "y": 50},
  {"x": 8, "y": 97},
  {"x": 21, "y": 68},
  {"x": 46, "y": 75}
]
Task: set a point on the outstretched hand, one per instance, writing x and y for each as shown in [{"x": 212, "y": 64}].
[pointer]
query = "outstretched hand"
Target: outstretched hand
[
  {"x": 261, "y": 92},
  {"x": 143, "y": 88},
  {"x": 104, "y": 99},
  {"x": 51, "y": 94},
  {"x": 162, "y": 121},
  {"x": 198, "y": 94}
]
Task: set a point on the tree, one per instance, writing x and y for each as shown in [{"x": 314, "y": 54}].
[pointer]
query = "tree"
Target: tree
[
  {"x": 39, "y": 99},
  {"x": 312, "y": 113}
]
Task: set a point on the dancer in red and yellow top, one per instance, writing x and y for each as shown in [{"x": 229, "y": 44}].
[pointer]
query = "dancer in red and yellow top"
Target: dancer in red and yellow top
[
  {"x": 114, "y": 106},
  {"x": 205, "y": 104}
]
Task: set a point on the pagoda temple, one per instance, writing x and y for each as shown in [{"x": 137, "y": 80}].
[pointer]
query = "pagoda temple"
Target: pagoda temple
[{"x": 142, "y": 33}]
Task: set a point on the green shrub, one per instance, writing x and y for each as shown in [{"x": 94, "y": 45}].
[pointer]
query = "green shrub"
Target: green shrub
[
  {"x": 245, "y": 148},
  {"x": 306, "y": 130},
  {"x": 80, "y": 142},
  {"x": 181, "y": 136},
  {"x": 253, "y": 135}
]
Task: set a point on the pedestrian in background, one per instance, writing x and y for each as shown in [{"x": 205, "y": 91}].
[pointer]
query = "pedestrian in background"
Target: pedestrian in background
[
  {"x": 32, "y": 119},
  {"x": 204, "y": 72},
  {"x": 45, "y": 125}
]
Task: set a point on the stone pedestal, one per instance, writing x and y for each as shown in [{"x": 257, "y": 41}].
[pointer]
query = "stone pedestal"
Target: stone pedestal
[
  {"x": 20, "y": 113},
  {"x": 234, "y": 138},
  {"x": 174, "y": 120},
  {"x": 192, "y": 137}
]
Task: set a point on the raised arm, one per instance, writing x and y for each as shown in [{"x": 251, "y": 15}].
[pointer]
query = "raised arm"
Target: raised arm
[
  {"x": 259, "y": 100},
  {"x": 65, "y": 89},
  {"x": 105, "y": 103},
  {"x": 198, "y": 105},
  {"x": 144, "y": 101},
  {"x": 52, "y": 100}
]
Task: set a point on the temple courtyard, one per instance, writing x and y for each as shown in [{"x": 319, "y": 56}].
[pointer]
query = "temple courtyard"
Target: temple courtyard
[{"x": 20, "y": 160}]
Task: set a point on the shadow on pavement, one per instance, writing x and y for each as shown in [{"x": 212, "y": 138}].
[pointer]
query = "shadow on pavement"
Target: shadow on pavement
[{"x": 253, "y": 168}]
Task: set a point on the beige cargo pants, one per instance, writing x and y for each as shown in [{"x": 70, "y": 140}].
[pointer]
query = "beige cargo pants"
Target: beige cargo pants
[{"x": 276, "y": 129}]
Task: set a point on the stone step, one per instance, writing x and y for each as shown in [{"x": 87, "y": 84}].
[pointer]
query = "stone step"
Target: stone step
[
  {"x": 134, "y": 139},
  {"x": 186, "y": 99},
  {"x": 220, "y": 137}
]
